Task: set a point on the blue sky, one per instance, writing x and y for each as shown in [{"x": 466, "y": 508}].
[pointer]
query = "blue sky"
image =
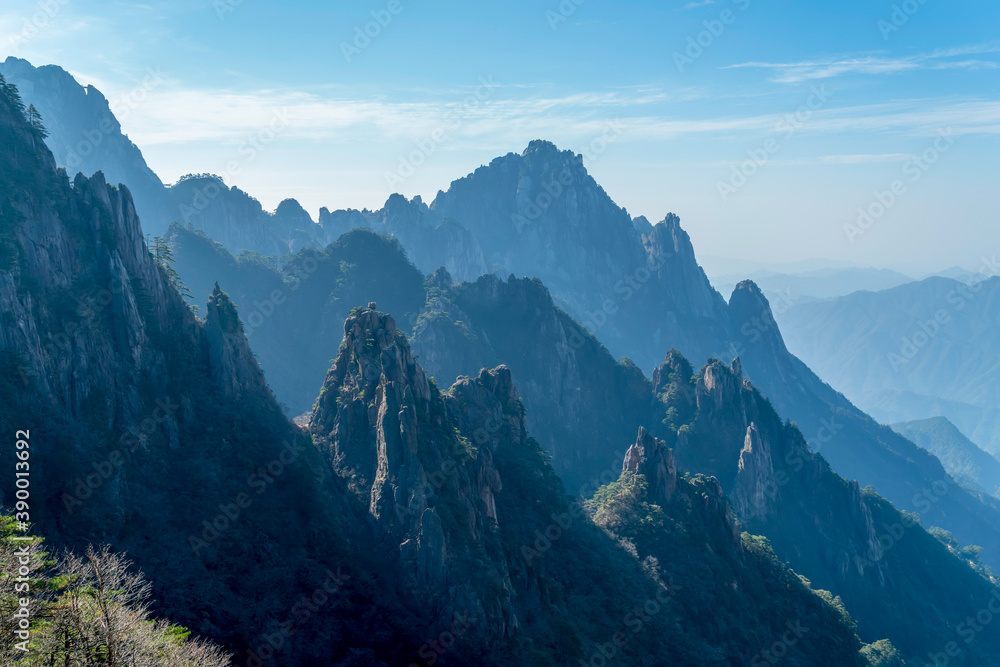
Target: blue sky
[{"x": 662, "y": 123}]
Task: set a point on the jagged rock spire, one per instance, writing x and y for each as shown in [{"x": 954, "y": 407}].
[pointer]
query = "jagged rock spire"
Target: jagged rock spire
[
  {"x": 756, "y": 489},
  {"x": 652, "y": 458}
]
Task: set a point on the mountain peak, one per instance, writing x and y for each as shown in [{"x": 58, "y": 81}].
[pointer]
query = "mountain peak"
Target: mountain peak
[
  {"x": 748, "y": 301},
  {"x": 753, "y": 319},
  {"x": 221, "y": 314},
  {"x": 652, "y": 458},
  {"x": 541, "y": 147},
  {"x": 291, "y": 209}
]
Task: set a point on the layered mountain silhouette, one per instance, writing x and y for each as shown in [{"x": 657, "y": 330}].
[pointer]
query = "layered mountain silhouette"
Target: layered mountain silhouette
[
  {"x": 673, "y": 306},
  {"x": 425, "y": 514},
  {"x": 785, "y": 290},
  {"x": 965, "y": 462},
  {"x": 400, "y": 531},
  {"x": 920, "y": 350}
]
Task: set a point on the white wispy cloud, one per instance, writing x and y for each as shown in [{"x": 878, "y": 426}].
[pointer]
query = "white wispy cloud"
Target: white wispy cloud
[
  {"x": 907, "y": 117},
  {"x": 175, "y": 115},
  {"x": 697, "y": 3},
  {"x": 865, "y": 158},
  {"x": 825, "y": 68},
  {"x": 172, "y": 115}
]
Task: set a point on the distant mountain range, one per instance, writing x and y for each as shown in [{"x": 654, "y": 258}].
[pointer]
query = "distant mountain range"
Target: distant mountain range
[
  {"x": 405, "y": 524},
  {"x": 550, "y": 313},
  {"x": 638, "y": 287},
  {"x": 964, "y": 461},
  {"x": 923, "y": 349},
  {"x": 785, "y": 290}
]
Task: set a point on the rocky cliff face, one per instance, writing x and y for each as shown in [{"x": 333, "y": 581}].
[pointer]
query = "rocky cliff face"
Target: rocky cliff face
[
  {"x": 652, "y": 459},
  {"x": 754, "y": 477},
  {"x": 151, "y": 419},
  {"x": 161, "y": 439},
  {"x": 541, "y": 214},
  {"x": 635, "y": 285},
  {"x": 844, "y": 539},
  {"x": 662, "y": 516},
  {"x": 896, "y": 467},
  {"x": 441, "y": 479},
  {"x": 562, "y": 371},
  {"x": 86, "y": 137},
  {"x": 386, "y": 429}
]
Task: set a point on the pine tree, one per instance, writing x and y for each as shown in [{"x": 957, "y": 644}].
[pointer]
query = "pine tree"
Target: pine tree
[
  {"x": 10, "y": 91},
  {"x": 35, "y": 121},
  {"x": 164, "y": 257}
]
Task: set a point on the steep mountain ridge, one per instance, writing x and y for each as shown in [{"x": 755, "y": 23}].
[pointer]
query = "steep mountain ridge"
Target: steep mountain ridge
[
  {"x": 577, "y": 394},
  {"x": 85, "y": 135},
  {"x": 403, "y": 534},
  {"x": 844, "y": 539},
  {"x": 639, "y": 289}
]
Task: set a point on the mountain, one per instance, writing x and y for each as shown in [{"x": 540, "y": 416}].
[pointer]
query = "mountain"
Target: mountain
[
  {"x": 787, "y": 289},
  {"x": 237, "y": 220},
  {"x": 86, "y": 136},
  {"x": 963, "y": 460},
  {"x": 150, "y": 423},
  {"x": 430, "y": 242},
  {"x": 290, "y": 310},
  {"x": 462, "y": 328},
  {"x": 580, "y": 400},
  {"x": 405, "y": 524},
  {"x": 539, "y": 213},
  {"x": 851, "y": 541},
  {"x": 922, "y": 349},
  {"x": 584, "y": 406},
  {"x": 642, "y": 293}
]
